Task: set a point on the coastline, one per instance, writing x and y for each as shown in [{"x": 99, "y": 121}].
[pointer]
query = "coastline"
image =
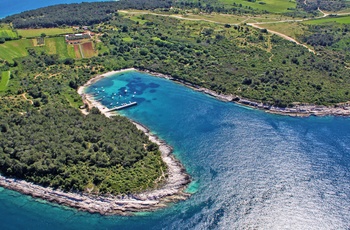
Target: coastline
[
  {"x": 300, "y": 110},
  {"x": 171, "y": 191},
  {"x": 177, "y": 180}
]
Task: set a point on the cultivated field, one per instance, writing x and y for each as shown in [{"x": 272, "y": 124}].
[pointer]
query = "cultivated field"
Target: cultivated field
[
  {"x": 273, "y": 6},
  {"x": 28, "y": 33},
  {"x": 14, "y": 49},
  {"x": 55, "y": 45},
  {"x": 341, "y": 20},
  {"x": 5, "y": 77},
  {"x": 88, "y": 50},
  {"x": 77, "y": 52}
]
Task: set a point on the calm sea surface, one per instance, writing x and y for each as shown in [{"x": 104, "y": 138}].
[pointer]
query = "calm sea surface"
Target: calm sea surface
[
  {"x": 8, "y": 7},
  {"x": 251, "y": 170}
]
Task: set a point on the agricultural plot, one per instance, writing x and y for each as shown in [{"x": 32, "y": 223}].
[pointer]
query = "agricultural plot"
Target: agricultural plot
[
  {"x": 5, "y": 78},
  {"x": 29, "y": 33},
  {"x": 55, "y": 46},
  {"x": 88, "y": 50},
  {"x": 77, "y": 52},
  {"x": 273, "y": 6},
  {"x": 15, "y": 49},
  {"x": 340, "y": 20}
]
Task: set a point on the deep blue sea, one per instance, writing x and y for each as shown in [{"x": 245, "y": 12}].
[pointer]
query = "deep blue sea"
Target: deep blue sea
[
  {"x": 9, "y": 7},
  {"x": 251, "y": 170}
]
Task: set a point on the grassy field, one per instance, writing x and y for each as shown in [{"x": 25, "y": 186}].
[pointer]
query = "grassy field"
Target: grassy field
[
  {"x": 15, "y": 49},
  {"x": 56, "y": 46},
  {"x": 213, "y": 17},
  {"x": 70, "y": 50},
  {"x": 48, "y": 31},
  {"x": 341, "y": 20},
  {"x": 5, "y": 77},
  {"x": 101, "y": 48},
  {"x": 291, "y": 29},
  {"x": 273, "y": 6}
]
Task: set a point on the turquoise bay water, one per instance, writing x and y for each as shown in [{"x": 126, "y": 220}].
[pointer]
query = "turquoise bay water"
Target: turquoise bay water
[
  {"x": 9, "y": 7},
  {"x": 250, "y": 169}
]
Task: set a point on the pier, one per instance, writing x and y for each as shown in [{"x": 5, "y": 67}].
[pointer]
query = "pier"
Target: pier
[{"x": 123, "y": 106}]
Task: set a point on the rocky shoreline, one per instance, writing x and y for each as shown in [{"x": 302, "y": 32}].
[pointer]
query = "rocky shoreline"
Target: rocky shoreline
[
  {"x": 171, "y": 191},
  {"x": 298, "y": 110}
]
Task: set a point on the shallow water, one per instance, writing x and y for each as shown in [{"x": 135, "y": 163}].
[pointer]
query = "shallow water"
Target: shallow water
[
  {"x": 9, "y": 7},
  {"x": 250, "y": 169}
]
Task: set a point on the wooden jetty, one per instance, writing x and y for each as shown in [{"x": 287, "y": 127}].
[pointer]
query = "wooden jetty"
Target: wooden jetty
[{"x": 123, "y": 106}]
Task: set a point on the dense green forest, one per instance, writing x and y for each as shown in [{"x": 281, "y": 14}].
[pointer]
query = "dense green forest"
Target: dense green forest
[
  {"x": 45, "y": 139},
  {"x": 60, "y": 148},
  {"x": 78, "y": 14},
  {"x": 327, "y": 5},
  {"x": 228, "y": 59}
]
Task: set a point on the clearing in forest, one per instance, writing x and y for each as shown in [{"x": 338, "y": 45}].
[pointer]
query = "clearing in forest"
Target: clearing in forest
[
  {"x": 5, "y": 78},
  {"x": 340, "y": 20},
  {"x": 29, "y": 33},
  {"x": 15, "y": 49},
  {"x": 273, "y": 6}
]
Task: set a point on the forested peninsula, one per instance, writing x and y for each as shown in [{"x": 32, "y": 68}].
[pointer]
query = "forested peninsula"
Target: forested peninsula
[{"x": 47, "y": 141}]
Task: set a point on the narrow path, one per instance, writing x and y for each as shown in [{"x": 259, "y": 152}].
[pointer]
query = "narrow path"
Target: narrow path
[
  {"x": 174, "y": 16},
  {"x": 322, "y": 12},
  {"x": 81, "y": 51},
  {"x": 255, "y": 25},
  {"x": 25, "y": 98}
]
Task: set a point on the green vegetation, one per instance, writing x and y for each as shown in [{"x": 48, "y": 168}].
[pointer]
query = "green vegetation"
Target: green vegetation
[
  {"x": 76, "y": 153},
  {"x": 272, "y": 6},
  {"x": 68, "y": 150},
  {"x": 30, "y": 33},
  {"x": 326, "y": 5},
  {"x": 14, "y": 49},
  {"x": 5, "y": 77},
  {"x": 234, "y": 59},
  {"x": 340, "y": 19},
  {"x": 84, "y": 14},
  {"x": 46, "y": 140},
  {"x": 7, "y": 33},
  {"x": 56, "y": 46}
]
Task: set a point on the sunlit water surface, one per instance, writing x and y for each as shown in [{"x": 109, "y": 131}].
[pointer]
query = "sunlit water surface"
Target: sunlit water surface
[
  {"x": 251, "y": 170},
  {"x": 9, "y": 7}
]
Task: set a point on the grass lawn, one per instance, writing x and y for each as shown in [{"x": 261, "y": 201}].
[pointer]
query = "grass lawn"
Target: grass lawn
[
  {"x": 5, "y": 78},
  {"x": 273, "y": 6},
  {"x": 341, "y": 20},
  {"x": 15, "y": 49},
  {"x": 48, "y": 31}
]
